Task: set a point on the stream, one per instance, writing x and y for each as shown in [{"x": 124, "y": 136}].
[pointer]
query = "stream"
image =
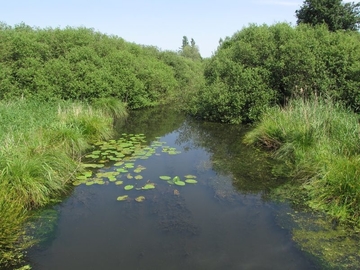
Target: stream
[{"x": 224, "y": 221}]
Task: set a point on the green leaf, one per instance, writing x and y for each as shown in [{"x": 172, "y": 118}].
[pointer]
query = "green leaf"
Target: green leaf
[
  {"x": 190, "y": 176},
  {"x": 149, "y": 186},
  {"x": 128, "y": 187},
  {"x": 179, "y": 183},
  {"x": 191, "y": 181},
  {"x": 140, "y": 199},
  {"x": 119, "y": 183},
  {"x": 164, "y": 177},
  {"x": 122, "y": 198}
]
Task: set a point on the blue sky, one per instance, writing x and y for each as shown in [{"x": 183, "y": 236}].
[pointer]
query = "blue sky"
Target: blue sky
[{"x": 161, "y": 23}]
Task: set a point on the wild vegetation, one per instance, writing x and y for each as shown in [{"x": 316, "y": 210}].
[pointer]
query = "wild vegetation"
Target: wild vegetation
[
  {"x": 261, "y": 66},
  {"x": 60, "y": 89},
  {"x": 81, "y": 64}
]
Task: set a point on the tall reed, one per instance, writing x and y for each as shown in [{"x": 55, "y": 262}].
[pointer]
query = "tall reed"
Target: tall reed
[
  {"x": 40, "y": 148},
  {"x": 318, "y": 140}
]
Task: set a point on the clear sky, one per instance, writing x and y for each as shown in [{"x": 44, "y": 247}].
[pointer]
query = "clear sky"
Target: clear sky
[{"x": 161, "y": 23}]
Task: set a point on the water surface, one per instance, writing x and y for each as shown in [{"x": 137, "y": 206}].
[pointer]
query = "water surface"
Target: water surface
[{"x": 225, "y": 221}]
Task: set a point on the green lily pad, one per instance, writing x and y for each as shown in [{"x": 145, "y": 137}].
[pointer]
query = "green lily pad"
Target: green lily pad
[
  {"x": 129, "y": 176},
  {"x": 119, "y": 163},
  {"x": 90, "y": 183},
  {"x": 164, "y": 177},
  {"x": 137, "y": 170},
  {"x": 77, "y": 183},
  {"x": 138, "y": 177},
  {"x": 191, "y": 181},
  {"x": 140, "y": 199},
  {"x": 122, "y": 198},
  {"x": 190, "y": 176},
  {"x": 99, "y": 182},
  {"x": 176, "y": 179},
  {"x": 90, "y": 165},
  {"x": 119, "y": 183},
  {"x": 149, "y": 186},
  {"x": 81, "y": 177},
  {"x": 112, "y": 178},
  {"x": 128, "y": 187},
  {"x": 179, "y": 183}
]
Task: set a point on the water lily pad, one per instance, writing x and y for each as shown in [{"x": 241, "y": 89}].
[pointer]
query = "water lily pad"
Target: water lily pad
[
  {"x": 128, "y": 187},
  {"x": 129, "y": 176},
  {"x": 90, "y": 183},
  {"x": 191, "y": 181},
  {"x": 190, "y": 176},
  {"x": 122, "y": 198},
  {"x": 81, "y": 177},
  {"x": 179, "y": 183},
  {"x": 164, "y": 177},
  {"x": 90, "y": 165},
  {"x": 137, "y": 170},
  {"x": 176, "y": 179},
  {"x": 149, "y": 186},
  {"x": 99, "y": 182},
  {"x": 77, "y": 183},
  {"x": 140, "y": 199},
  {"x": 119, "y": 163},
  {"x": 119, "y": 183},
  {"x": 138, "y": 177}
]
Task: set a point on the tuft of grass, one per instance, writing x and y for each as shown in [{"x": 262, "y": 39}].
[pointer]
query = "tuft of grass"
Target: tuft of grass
[
  {"x": 112, "y": 106},
  {"x": 318, "y": 140},
  {"x": 41, "y": 145}
]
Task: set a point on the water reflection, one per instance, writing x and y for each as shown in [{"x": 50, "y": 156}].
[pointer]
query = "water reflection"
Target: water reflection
[{"x": 222, "y": 222}]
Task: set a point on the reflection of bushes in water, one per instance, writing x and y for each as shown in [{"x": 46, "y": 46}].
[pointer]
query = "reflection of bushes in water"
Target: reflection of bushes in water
[
  {"x": 248, "y": 168},
  {"x": 157, "y": 122}
]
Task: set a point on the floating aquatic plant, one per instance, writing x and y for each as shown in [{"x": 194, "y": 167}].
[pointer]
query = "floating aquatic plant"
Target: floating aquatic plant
[
  {"x": 124, "y": 153},
  {"x": 140, "y": 199}
]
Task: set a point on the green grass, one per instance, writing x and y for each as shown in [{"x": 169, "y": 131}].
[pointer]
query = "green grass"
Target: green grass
[
  {"x": 41, "y": 145},
  {"x": 319, "y": 143}
]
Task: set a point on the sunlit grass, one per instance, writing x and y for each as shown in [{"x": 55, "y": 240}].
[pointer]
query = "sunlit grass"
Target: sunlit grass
[
  {"x": 319, "y": 143},
  {"x": 41, "y": 145}
]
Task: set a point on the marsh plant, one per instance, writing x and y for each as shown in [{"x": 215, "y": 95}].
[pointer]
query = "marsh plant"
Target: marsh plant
[
  {"x": 318, "y": 142},
  {"x": 40, "y": 151}
]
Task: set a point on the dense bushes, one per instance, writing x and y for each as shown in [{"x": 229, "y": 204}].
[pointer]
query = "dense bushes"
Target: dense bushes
[
  {"x": 264, "y": 65},
  {"x": 81, "y": 64}
]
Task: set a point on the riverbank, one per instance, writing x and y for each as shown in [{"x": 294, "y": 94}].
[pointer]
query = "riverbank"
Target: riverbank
[
  {"x": 318, "y": 142},
  {"x": 41, "y": 147}
]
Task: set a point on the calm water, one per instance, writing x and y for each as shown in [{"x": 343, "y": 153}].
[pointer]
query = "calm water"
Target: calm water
[{"x": 225, "y": 221}]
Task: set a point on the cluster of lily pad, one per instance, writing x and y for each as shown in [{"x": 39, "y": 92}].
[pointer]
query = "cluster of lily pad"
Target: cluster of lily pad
[
  {"x": 190, "y": 179},
  {"x": 121, "y": 155}
]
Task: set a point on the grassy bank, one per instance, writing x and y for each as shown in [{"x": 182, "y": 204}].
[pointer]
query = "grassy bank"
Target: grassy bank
[
  {"x": 40, "y": 148},
  {"x": 319, "y": 144}
]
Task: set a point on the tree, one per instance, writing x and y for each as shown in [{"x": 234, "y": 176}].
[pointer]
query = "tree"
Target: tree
[
  {"x": 336, "y": 14},
  {"x": 190, "y": 50},
  {"x": 185, "y": 42}
]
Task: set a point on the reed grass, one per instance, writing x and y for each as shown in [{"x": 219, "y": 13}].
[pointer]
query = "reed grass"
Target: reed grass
[
  {"x": 318, "y": 140},
  {"x": 41, "y": 145}
]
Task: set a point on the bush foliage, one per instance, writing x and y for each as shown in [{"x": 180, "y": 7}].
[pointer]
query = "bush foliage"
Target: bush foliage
[
  {"x": 81, "y": 64},
  {"x": 265, "y": 65}
]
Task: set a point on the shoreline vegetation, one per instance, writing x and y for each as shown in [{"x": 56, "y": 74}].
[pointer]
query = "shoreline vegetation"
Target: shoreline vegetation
[
  {"x": 41, "y": 149},
  {"x": 60, "y": 90}
]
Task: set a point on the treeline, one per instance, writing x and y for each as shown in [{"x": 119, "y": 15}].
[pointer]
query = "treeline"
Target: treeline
[
  {"x": 261, "y": 66},
  {"x": 81, "y": 64}
]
